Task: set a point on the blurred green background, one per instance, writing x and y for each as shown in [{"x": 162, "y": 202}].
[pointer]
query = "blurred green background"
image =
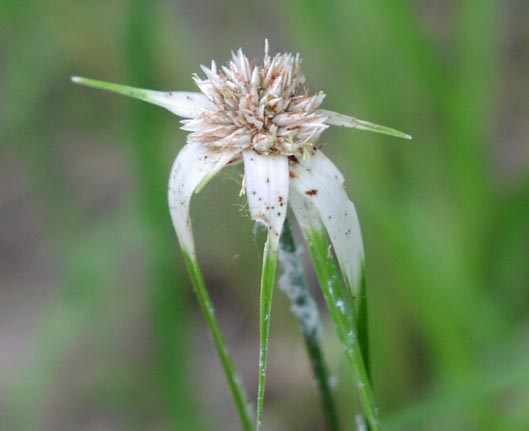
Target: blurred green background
[{"x": 99, "y": 329}]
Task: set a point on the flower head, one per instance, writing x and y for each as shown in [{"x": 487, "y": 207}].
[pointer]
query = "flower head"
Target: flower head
[
  {"x": 263, "y": 115},
  {"x": 263, "y": 107}
]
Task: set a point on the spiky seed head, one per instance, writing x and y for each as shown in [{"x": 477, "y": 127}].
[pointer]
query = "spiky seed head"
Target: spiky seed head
[{"x": 263, "y": 107}]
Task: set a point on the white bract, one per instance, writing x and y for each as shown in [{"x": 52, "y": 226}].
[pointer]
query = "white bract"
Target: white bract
[{"x": 263, "y": 115}]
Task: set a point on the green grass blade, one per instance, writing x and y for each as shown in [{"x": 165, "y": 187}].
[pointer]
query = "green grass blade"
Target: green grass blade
[
  {"x": 234, "y": 380},
  {"x": 329, "y": 279},
  {"x": 168, "y": 307},
  {"x": 362, "y": 323},
  {"x": 486, "y": 386},
  {"x": 265, "y": 308},
  {"x": 304, "y": 307}
]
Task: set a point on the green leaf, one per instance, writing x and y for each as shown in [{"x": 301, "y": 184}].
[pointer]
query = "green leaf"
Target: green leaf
[
  {"x": 234, "y": 380},
  {"x": 265, "y": 307},
  {"x": 333, "y": 292}
]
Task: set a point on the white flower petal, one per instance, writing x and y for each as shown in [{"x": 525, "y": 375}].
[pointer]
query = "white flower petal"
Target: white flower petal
[
  {"x": 320, "y": 182},
  {"x": 182, "y": 103},
  {"x": 335, "y": 119},
  {"x": 266, "y": 178},
  {"x": 195, "y": 165},
  {"x": 306, "y": 213}
]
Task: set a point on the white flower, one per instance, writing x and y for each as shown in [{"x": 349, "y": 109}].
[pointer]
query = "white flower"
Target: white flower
[{"x": 262, "y": 115}]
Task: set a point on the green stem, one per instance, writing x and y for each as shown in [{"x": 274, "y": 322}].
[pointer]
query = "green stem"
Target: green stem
[
  {"x": 329, "y": 279},
  {"x": 265, "y": 308},
  {"x": 362, "y": 324},
  {"x": 234, "y": 380},
  {"x": 294, "y": 284}
]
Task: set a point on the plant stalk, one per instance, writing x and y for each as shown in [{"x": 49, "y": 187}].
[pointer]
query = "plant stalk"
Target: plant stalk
[
  {"x": 304, "y": 307},
  {"x": 234, "y": 380},
  {"x": 265, "y": 308},
  {"x": 329, "y": 279}
]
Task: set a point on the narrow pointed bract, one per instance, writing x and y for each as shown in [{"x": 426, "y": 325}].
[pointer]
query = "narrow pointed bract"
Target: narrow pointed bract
[
  {"x": 335, "y": 119},
  {"x": 266, "y": 179},
  {"x": 185, "y": 104},
  {"x": 263, "y": 114},
  {"x": 194, "y": 165},
  {"x": 320, "y": 182}
]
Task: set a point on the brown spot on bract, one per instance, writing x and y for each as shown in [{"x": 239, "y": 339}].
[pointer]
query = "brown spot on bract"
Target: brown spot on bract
[
  {"x": 311, "y": 192},
  {"x": 293, "y": 159},
  {"x": 292, "y": 175}
]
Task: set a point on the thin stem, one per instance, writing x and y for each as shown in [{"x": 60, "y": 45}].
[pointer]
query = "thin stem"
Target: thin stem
[
  {"x": 294, "y": 284},
  {"x": 234, "y": 380},
  {"x": 329, "y": 279},
  {"x": 362, "y": 324},
  {"x": 265, "y": 308}
]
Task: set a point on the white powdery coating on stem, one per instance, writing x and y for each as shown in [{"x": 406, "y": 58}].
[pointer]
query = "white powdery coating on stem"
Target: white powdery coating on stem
[
  {"x": 360, "y": 423},
  {"x": 263, "y": 107},
  {"x": 292, "y": 283}
]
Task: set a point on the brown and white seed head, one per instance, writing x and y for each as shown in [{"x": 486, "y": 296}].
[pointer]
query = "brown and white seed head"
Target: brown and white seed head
[{"x": 265, "y": 107}]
